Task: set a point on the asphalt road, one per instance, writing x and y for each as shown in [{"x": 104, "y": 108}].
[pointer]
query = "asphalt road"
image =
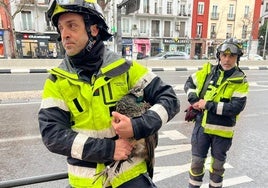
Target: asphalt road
[{"x": 23, "y": 155}]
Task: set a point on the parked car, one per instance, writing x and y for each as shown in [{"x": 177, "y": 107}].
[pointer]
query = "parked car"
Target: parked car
[
  {"x": 141, "y": 55},
  {"x": 176, "y": 55},
  {"x": 254, "y": 57}
]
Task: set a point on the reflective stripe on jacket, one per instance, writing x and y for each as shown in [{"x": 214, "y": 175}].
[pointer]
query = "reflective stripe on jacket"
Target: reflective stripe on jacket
[
  {"x": 75, "y": 117},
  {"x": 224, "y": 102}
]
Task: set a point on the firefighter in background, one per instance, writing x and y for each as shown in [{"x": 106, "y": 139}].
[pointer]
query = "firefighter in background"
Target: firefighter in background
[
  {"x": 77, "y": 117},
  {"x": 219, "y": 94}
]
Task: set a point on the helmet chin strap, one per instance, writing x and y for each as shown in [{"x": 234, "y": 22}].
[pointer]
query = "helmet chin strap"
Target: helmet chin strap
[{"x": 91, "y": 39}]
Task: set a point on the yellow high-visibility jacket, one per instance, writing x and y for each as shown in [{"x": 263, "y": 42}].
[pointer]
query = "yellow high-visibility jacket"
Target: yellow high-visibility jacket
[
  {"x": 226, "y": 98},
  {"x": 75, "y": 116}
]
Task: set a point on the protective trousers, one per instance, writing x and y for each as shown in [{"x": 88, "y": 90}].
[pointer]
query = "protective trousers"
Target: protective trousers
[{"x": 201, "y": 142}]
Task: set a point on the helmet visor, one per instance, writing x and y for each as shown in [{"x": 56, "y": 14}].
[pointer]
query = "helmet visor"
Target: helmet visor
[{"x": 229, "y": 49}]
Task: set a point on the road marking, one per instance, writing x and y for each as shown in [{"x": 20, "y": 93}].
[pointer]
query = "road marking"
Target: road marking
[
  {"x": 173, "y": 135},
  {"x": 22, "y": 138},
  {"x": 161, "y": 151},
  {"x": 20, "y": 103},
  {"x": 178, "y": 87},
  {"x": 164, "y": 172},
  {"x": 233, "y": 181}
]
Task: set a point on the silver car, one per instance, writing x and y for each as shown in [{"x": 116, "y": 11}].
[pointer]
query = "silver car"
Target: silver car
[{"x": 176, "y": 55}]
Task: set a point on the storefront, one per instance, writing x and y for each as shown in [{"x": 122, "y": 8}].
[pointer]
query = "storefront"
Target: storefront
[
  {"x": 176, "y": 44},
  {"x": 142, "y": 46},
  {"x": 127, "y": 47},
  {"x": 38, "y": 46},
  {"x": 156, "y": 47}
]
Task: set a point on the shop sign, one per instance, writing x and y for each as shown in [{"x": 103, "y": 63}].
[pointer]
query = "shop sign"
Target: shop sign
[
  {"x": 141, "y": 41},
  {"x": 27, "y": 36},
  {"x": 175, "y": 40},
  {"x": 127, "y": 41}
]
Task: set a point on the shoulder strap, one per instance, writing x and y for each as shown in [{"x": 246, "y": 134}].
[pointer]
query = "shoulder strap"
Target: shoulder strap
[{"x": 206, "y": 83}]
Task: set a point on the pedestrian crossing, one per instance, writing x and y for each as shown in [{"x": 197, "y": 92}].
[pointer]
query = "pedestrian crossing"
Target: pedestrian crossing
[{"x": 164, "y": 173}]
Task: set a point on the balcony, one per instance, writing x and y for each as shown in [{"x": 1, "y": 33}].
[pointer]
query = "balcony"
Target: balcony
[
  {"x": 214, "y": 16},
  {"x": 42, "y": 3},
  {"x": 27, "y": 2},
  {"x": 213, "y": 35},
  {"x": 184, "y": 14},
  {"x": 228, "y": 35},
  {"x": 230, "y": 17}
]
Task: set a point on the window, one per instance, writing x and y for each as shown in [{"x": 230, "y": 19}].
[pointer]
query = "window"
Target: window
[
  {"x": 231, "y": 14},
  {"x": 214, "y": 14},
  {"x": 143, "y": 26},
  {"x": 182, "y": 9},
  {"x": 199, "y": 30},
  {"x": 213, "y": 28},
  {"x": 246, "y": 14},
  {"x": 182, "y": 29},
  {"x": 169, "y": 7},
  {"x": 244, "y": 31},
  {"x": 155, "y": 28},
  {"x": 27, "y": 23},
  {"x": 229, "y": 31},
  {"x": 125, "y": 26},
  {"x": 266, "y": 7},
  {"x": 167, "y": 29},
  {"x": 146, "y": 6},
  {"x": 213, "y": 31},
  {"x": 200, "y": 8}
]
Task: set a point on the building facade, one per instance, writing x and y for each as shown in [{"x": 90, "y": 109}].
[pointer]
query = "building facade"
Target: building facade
[
  {"x": 192, "y": 26},
  {"x": 158, "y": 25},
  {"x": 35, "y": 36},
  {"x": 6, "y": 37}
]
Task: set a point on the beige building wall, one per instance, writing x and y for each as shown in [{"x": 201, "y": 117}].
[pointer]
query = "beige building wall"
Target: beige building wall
[{"x": 232, "y": 26}]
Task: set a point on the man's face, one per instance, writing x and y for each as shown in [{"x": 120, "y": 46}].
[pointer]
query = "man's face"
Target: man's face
[
  {"x": 73, "y": 33},
  {"x": 228, "y": 60}
]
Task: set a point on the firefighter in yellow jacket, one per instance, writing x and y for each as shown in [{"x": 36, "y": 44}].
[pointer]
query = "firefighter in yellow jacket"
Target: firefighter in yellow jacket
[
  {"x": 77, "y": 117},
  {"x": 219, "y": 94}
]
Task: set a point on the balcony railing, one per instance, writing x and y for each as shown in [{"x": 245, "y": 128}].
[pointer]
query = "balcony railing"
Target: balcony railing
[
  {"x": 214, "y": 16},
  {"x": 230, "y": 17},
  {"x": 27, "y": 2}
]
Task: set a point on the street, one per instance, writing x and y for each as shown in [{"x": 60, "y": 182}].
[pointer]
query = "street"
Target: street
[{"x": 24, "y": 155}]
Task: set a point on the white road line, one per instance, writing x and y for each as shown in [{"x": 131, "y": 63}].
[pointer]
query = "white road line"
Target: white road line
[
  {"x": 164, "y": 172},
  {"x": 161, "y": 151},
  {"x": 233, "y": 181},
  {"x": 173, "y": 135},
  {"x": 22, "y": 138},
  {"x": 20, "y": 103}
]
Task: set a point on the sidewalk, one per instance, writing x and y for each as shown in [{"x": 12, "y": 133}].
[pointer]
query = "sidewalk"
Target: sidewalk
[{"x": 8, "y": 66}]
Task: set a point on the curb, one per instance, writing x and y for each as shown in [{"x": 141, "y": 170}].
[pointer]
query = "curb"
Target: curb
[{"x": 154, "y": 69}]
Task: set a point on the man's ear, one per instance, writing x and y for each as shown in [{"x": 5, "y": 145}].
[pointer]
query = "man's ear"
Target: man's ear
[{"x": 94, "y": 30}]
